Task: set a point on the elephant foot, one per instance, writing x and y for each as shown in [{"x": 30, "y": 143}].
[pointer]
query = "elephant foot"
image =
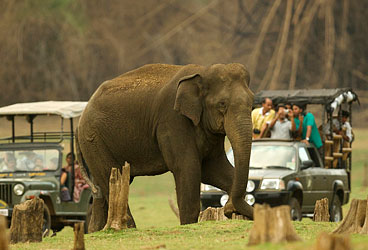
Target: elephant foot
[
  {"x": 229, "y": 209},
  {"x": 99, "y": 216},
  {"x": 131, "y": 222}
]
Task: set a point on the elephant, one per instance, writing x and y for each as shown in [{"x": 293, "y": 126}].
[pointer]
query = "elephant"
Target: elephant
[{"x": 162, "y": 118}]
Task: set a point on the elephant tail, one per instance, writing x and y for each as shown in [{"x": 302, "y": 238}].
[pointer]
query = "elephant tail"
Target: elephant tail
[{"x": 83, "y": 165}]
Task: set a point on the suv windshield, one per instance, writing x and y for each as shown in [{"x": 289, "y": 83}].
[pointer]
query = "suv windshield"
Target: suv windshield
[
  {"x": 29, "y": 160},
  {"x": 275, "y": 156}
]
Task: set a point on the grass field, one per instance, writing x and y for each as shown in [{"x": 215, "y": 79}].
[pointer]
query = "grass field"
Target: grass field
[{"x": 157, "y": 226}]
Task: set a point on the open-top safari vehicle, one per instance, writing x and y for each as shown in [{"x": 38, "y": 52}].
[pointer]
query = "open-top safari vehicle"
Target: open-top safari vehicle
[
  {"x": 292, "y": 172},
  {"x": 31, "y": 165}
]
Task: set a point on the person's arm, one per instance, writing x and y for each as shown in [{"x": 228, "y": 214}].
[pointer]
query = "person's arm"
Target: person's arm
[
  {"x": 307, "y": 135},
  {"x": 300, "y": 129},
  {"x": 63, "y": 178},
  {"x": 273, "y": 122},
  {"x": 293, "y": 125}
]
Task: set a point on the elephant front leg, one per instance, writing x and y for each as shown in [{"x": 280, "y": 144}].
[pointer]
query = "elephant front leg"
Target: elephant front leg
[{"x": 188, "y": 195}]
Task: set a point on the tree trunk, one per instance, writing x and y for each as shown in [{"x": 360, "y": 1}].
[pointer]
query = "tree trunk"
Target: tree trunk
[
  {"x": 356, "y": 221},
  {"x": 118, "y": 199},
  {"x": 321, "y": 212},
  {"x": 272, "y": 225},
  {"x": 327, "y": 241},
  {"x": 79, "y": 236},
  {"x": 4, "y": 244},
  {"x": 27, "y": 220}
]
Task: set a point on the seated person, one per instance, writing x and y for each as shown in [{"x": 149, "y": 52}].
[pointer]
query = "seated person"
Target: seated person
[
  {"x": 65, "y": 177},
  {"x": 346, "y": 130},
  {"x": 38, "y": 164},
  {"x": 9, "y": 163},
  {"x": 306, "y": 126},
  {"x": 79, "y": 184},
  {"x": 261, "y": 118},
  {"x": 280, "y": 126}
]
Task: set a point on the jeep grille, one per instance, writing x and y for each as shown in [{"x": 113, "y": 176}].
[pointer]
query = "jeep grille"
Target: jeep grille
[{"x": 6, "y": 193}]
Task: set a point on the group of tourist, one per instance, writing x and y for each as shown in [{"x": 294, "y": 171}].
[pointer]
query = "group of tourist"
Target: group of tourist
[{"x": 290, "y": 121}]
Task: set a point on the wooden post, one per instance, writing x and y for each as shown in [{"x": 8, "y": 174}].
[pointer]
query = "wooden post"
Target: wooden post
[
  {"x": 272, "y": 225},
  {"x": 118, "y": 199},
  {"x": 321, "y": 210},
  {"x": 79, "y": 236},
  {"x": 27, "y": 220},
  {"x": 4, "y": 244},
  {"x": 356, "y": 221},
  {"x": 327, "y": 241}
]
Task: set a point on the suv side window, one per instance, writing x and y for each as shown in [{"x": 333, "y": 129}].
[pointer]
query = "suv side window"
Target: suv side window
[{"x": 314, "y": 156}]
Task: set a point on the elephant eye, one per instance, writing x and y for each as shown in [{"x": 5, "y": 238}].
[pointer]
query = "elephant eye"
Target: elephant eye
[{"x": 221, "y": 106}]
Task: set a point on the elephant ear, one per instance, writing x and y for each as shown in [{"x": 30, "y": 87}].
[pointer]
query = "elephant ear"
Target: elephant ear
[{"x": 188, "y": 100}]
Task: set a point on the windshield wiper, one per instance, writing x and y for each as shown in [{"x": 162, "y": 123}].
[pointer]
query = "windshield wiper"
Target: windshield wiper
[
  {"x": 277, "y": 167},
  {"x": 255, "y": 167}
]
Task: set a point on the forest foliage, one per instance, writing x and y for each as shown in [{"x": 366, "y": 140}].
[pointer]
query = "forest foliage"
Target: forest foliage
[{"x": 64, "y": 49}]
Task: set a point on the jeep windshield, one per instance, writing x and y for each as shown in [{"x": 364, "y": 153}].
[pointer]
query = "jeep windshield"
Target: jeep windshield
[
  {"x": 29, "y": 160},
  {"x": 267, "y": 156}
]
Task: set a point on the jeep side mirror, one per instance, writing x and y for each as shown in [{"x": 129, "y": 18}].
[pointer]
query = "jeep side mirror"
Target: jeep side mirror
[{"x": 307, "y": 164}]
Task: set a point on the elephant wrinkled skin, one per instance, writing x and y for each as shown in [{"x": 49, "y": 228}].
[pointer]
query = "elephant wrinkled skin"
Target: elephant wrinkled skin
[{"x": 163, "y": 118}]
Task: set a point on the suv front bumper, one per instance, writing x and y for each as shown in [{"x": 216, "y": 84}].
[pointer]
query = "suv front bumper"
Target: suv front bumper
[{"x": 273, "y": 198}]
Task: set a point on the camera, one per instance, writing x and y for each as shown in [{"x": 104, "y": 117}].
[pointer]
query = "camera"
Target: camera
[
  {"x": 256, "y": 131},
  {"x": 286, "y": 111}
]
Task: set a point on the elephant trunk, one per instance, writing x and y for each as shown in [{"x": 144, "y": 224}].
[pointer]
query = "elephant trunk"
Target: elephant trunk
[{"x": 238, "y": 128}]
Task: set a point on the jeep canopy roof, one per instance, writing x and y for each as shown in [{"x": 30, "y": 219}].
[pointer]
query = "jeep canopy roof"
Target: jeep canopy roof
[
  {"x": 308, "y": 96},
  {"x": 65, "y": 109}
]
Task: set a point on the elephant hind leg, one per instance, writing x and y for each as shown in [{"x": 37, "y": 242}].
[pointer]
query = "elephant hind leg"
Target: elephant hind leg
[{"x": 100, "y": 161}]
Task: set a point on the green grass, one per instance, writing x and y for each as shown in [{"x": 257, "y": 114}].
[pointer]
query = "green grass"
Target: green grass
[{"x": 158, "y": 227}]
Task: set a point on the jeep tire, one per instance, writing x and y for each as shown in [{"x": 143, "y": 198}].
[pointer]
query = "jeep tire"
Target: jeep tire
[
  {"x": 46, "y": 226},
  {"x": 295, "y": 210},
  {"x": 336, "y": 209}
]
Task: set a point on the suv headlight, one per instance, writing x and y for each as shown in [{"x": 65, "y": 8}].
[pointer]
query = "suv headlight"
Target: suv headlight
[
  {"x": 276, "y": 184},
  {"x": 18, "y": 189}
]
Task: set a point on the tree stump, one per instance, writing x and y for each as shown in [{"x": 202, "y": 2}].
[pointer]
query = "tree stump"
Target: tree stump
[
  {"x": 79, "y": 236},
  {"x": 327, "y": 241},
  {"x": 118, "y": 198},
  {"x": 356, "y": 221},
  {"x": 27, "y": 220},
  {"x": 272, "y": 225},
  {"x": 321, "y": 212},
  {"x": 4, "y": 244},
  {"x": 212, "y": 213}
]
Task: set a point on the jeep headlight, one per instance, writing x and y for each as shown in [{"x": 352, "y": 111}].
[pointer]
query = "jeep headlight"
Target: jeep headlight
[
  {"x": 275, "y": 184},
  {"x": 18, "y": 189},
  {"x": 250, "y": 186}
]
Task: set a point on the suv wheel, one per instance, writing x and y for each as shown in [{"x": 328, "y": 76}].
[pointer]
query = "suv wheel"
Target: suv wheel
[
  {"x": 295, "y": 210},
  {"x": 46, "y": 226},
  {"x": 336, "y": 210}
]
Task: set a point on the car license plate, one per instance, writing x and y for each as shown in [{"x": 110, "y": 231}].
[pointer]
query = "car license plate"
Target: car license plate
[{"x": 4, "y": 212}]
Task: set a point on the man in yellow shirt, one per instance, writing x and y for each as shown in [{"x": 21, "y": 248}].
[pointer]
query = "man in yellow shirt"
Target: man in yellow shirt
[{"x": 262, "y": 117}]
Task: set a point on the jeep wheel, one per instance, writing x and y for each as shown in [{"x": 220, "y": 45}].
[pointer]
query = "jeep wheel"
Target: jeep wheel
[
  {"x": 46, "y": 226},
  {"x": 295, "y": 210},
  {"x": 336, "y": 210}
]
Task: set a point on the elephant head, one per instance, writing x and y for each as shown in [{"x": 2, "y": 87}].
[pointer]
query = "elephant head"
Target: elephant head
[{"x": 218, "y": 99}]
